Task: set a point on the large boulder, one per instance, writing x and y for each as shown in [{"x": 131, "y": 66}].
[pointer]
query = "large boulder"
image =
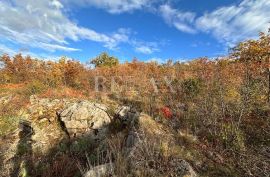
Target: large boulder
[
  {"x": 85, "y": 118},
  {"x": 56, "y": 119}
]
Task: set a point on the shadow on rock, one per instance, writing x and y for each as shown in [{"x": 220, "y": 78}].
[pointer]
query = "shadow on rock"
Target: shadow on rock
[{"x": 22, "y": 161}]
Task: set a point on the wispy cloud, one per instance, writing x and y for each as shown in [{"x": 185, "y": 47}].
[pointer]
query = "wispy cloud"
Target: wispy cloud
[
  {"x": 114, "y": 6},
  {"x": 43, "y": 24},
  {"x": 54, "y": 47},
  {"x": 12, "y": 52},
  {"x": 46, "y": 24},
  {"x": 235, "y": 23},
  {"x": 228, "y": 24},
  {"x": 6, "y": 50},
  {"x": 180, "y": 20},
  {"x": 157, "y": 60},
  {"x": 145, "y": 47}
]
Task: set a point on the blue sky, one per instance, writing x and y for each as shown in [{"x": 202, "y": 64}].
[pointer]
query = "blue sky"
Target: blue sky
[{"x": 145, "y": 29}]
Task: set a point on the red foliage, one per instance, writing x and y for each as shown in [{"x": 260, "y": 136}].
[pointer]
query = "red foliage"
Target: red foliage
[{"x": 167, "y": 113}]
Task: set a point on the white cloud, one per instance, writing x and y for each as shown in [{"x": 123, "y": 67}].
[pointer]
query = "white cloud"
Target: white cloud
[
  {"x": 43, "y": 24},
  {"x": 12, "y": 52},
  {"x": 6, "y": 50},
  {"x": 180, "y": 20},
  {"x": 235, "y": 23},
  {"x": 57, "y": 4},
  {"x": 114, "y": 6},
  {"x": 54, "y": 47},
  {"x": 145, "y": 47},
  {"x": 157, "y": 60},
  {"x": 181, "y": 60}
]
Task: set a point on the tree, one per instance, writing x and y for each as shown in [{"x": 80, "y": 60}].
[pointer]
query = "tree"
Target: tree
[
  {"x": 104, "y": 60},
  {"x": 255, "y": 51}
]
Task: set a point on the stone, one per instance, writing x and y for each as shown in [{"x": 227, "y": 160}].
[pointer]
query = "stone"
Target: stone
[
  {"x": 128, "y": 116},
  {"x": 53, "y": 121},
  {"x": 85, "y": 115},
  {"x": 101, "y": 170},
  {"x": 122, "y": 111},
  {"x": 141, "y": 126},
  {"x": 5, "y": 99},
  {"x": 182, "y": 168}
]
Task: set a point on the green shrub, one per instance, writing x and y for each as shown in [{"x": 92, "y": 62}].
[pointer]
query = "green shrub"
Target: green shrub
[
  {"x": 191, "y": 87},
  {"x": 105, "y": 60},
  {"x": 232, "y": 137},
  {"x": 35, "y": 87},
  {"x": 81, "y": 145},
  {"x": 8, "y": 124}
]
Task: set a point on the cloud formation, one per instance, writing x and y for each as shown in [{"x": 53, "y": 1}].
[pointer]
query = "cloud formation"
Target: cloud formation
[
  {"x": 145, "y": 47},
  {"x": 235, "y": 23},
  {"x": 180, "y": 20},
  {"x": 114, "y": 6},
  {"x": 43, "y": 24},
  {"x": 229, "y": 24},
  {"x": 5, "y": 49}
]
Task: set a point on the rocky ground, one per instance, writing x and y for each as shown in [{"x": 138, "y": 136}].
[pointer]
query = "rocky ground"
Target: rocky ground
[{"x": 102, "y": 140}]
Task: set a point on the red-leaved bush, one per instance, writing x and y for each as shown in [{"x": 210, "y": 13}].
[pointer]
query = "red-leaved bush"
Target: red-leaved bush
[{"x": 167, "y": 113}]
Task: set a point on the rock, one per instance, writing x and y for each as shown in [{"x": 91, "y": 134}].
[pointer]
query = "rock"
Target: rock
[
  {"x": 44, "y": 121},
  {"x": 128, "y": 116},
  {"x": 182, "y": 168},
  {"x": 33, "y": 99},
  {"x": 99, "y": 171},
  {"x": 5, "y": 99},
  {"x": 47, "y": 135},
  {"x": 139, "y": 140},
  {"x": 84, "y": 117},
  {"x": 132, "y": 139},
  {"x": 122, "y": 111},
  {"x": 55, "y": 120},
  {"x": 18, "y": 148}
]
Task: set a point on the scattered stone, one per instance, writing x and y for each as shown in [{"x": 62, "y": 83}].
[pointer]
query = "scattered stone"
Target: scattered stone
[{"x": 101, "y": 170}]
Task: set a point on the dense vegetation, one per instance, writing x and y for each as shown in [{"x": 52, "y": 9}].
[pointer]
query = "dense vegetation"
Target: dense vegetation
[{"x": 224, "y": 102}]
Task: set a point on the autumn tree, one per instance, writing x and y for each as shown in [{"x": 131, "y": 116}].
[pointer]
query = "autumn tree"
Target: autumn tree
[
  {"x": 255, "y": 52},
  {"x": 73, "y": 72},
  {"x": 17, "y": 69}
]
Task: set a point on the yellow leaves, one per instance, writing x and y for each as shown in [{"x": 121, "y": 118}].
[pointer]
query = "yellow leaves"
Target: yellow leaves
[
  {"x": 254, "y": 50},
  {"x": 233, "y": 95}
]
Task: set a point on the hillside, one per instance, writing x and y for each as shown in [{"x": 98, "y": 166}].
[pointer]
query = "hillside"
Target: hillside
[{"x": 205, "y": 117}]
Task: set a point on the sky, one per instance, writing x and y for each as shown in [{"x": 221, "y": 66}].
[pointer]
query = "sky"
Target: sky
[{"x": 149, "y": 30}]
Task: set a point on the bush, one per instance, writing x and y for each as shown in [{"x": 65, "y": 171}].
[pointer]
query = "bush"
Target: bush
[
  {"x": 191, "y": 87},
  {"x": 8, "y": 124},
  {"x": 35, "y": 87},
  {"x": 104, "y": 60}
]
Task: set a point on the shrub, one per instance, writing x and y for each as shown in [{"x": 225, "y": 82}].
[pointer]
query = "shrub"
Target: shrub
[
  {"x": 104, "y": 60},
  {"x": 191, "y": 87},
  {"x": 35, "y": 87}
]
